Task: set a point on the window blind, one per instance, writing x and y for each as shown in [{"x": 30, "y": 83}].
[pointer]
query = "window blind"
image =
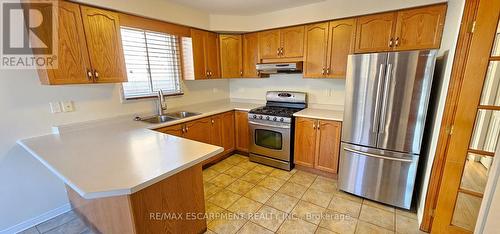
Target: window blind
[{"x": 152, "y": 61}]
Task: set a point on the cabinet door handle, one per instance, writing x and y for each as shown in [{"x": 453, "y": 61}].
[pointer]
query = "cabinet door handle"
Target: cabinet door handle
[
  {"x": 314, "y": 125},
  {"x": 390, "y": 42},
  {"x": 323, "y": 71},
  {"x": 241, "y": 73},
  {"x": 397, "y": 42},
  {"x": 89, "y": 74},
  {"x": 187, "y": 129},
  {"x": 183, "y": 130},
  {"x": 96, "y": 74},
  {"x": 328, "y": 71},
  {"x": 278, "y": 52},
  {"x": 281, "y": 51},
  {"x": 213, "y": 121}
]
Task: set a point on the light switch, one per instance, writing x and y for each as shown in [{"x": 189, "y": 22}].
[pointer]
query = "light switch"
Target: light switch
[
  {"x": 55, "y": 107},
  {"x": 67, "y": 106}
]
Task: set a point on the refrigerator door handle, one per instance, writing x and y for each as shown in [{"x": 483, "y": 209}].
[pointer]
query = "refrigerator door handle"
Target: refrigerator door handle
[
  {"x": 381, "y": 72},
  {"x": 377, "y": 156},
  {"x": 388, "y": 75}
]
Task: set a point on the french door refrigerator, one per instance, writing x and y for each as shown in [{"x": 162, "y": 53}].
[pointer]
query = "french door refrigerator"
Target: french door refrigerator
[{"x": 387, "y": 95}]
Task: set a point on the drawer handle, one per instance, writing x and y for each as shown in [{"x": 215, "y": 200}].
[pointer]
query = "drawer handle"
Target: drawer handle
[{"x": 377, "y": 156}]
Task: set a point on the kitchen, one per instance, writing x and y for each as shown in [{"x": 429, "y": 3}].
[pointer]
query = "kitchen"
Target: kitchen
[{"x": 212, "y": 87}]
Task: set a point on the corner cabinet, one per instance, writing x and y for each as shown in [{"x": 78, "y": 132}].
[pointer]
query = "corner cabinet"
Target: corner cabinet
[
  {"x": 282, "y": 43},
  {"x": 418, "y": 28},
  {"x": 89, "y": 47},
  {"x": 326, "y": 48},
  {"x": 231, "y": 56},
  {"x": 205, "y": 54},
  {"x": 317, "y": 144}
]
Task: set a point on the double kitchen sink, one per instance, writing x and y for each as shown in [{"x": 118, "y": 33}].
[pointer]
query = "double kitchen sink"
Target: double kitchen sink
[{"x": 168, "y": 117}]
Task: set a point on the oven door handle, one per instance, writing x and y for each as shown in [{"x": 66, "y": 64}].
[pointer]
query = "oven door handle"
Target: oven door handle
[{"x": 268, "y": 125}]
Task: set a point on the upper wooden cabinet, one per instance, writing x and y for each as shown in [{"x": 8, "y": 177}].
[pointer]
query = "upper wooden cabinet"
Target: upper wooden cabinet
[
  {"x": 374, "y": 32},
  {"x": 327, "y": 46},
  {"x": 317, "y": 144},
  {"x": 418, "y": 28},
  {"x": 102, "y": 31},
  {"x": 231, "y": 56},
  {"x": 282, "y": 43},
  {"x": 250, "y": 55},
  {"x": 89, "y": 47},
  {"x": 205, "y": 54}
]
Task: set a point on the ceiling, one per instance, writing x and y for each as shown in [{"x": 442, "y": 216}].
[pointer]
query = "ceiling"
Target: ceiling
[{"x": 243, "y": 7}]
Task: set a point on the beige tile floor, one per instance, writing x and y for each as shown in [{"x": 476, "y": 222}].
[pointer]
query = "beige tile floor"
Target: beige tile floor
[{"x": 245, "y": 197}]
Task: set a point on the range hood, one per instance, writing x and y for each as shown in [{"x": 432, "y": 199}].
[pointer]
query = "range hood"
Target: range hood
[{"x": 273, "y": 68}]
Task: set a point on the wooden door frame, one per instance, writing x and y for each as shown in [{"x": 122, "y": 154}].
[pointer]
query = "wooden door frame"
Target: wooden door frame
[{"x": 458, "y": 84}]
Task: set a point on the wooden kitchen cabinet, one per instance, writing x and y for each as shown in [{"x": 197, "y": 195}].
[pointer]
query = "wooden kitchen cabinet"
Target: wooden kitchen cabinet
[
  {"x": 327, "y": 46},
  {"x": 231, "y": 56},
  {"x": 228, "y": 131},
  {"x": 205, "y": 54},
  {"x": 250, "y": 55},
  {"x": 176, "y": 130},
  {"x": 198, "y": 130},
  {"x": 102, "y": 31},
  {"x": 412, "y": 29},
  {"x": 242, "y": 131},
  {"x": 374, "y": 32},
  {"x": 282, "y": 43},
  {"x": 89, "y": 47},
  {"x": 317, "y": 144},
  {"x": 419, "y": 28},
  {"x": 216, "y": 130}
]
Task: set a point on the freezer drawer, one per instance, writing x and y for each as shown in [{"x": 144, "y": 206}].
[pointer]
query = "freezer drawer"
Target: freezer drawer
[{"x": 384, "y": 176}]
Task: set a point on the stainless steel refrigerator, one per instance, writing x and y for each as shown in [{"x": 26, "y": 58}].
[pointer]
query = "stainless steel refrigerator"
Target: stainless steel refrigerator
[{"x": 387, "y": 95}]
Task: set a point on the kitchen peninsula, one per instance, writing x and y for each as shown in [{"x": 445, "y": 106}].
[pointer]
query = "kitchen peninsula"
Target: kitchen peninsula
[{"x": 123, "y": 177}]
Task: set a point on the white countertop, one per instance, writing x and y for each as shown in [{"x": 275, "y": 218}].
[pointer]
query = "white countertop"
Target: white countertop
[
  {"x": 120, "y": 156},
  {"x": 316, "y": 113}
]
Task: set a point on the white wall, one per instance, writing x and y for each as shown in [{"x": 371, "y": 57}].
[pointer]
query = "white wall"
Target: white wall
[
  {"x": 324, "y": 10},
  {"x": 327, "y": 93},
  {"x": 449, "y": 41}
]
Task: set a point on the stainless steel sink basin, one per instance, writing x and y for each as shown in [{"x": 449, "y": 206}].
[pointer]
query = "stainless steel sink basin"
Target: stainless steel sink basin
[
  {"x": 159, "y": 119},
  {"x": 182, "y": 114}
]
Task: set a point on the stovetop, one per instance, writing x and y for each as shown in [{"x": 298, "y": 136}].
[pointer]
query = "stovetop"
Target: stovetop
[{"x": 275, "y": 111}]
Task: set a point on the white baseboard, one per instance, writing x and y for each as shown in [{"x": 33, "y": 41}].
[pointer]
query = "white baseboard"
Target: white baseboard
[{"x": 37, "y": 220}]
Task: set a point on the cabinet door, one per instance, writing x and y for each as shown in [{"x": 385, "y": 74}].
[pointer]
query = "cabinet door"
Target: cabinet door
[
  {"x": 102, "y": 30},
  {"x": 212, "y": 55},
  {"x": 316, "y": 43},
  {"x": 230, "y": 56},
  {"x": 269, "y": 44},
  {"x": 305, "y": 142},
  {"x": 73, "y": 60},
  {"x": 292, "y": 42},
  {"x": 327, "y": 156},
  {"x": 242, "y": 131},
  {"x": 228, "y": 136},
  {"x": 374, "y": 33},
  {"x": 419, "y": 28},
  {"x": 340, "y": 45},
  {"x": 198, "y": 130},
  {"x": 175, "y": 130},
  {"x": 216, "y": 130},
  {"x": 198, "y": 43},
  {"x": 250, "y": 54}
]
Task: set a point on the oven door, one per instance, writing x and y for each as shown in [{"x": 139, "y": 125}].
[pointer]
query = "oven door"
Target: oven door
[{"x": 270, "y": 139}]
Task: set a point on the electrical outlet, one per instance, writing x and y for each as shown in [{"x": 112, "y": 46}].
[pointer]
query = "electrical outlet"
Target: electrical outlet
[
  {"x": 55, "y": 107},
  {"x": 67, "y": 106}
]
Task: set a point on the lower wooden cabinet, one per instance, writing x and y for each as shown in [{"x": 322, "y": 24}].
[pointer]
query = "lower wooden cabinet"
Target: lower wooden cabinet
[
  {"x": 317, "y": 144},
  {"x": 198, "y": 130},
  {"x": 242, "y": 131},
  {"x": 228, "y": 132}
]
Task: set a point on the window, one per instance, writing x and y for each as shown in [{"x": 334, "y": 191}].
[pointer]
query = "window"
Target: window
[{"x": 153, "y": 62}]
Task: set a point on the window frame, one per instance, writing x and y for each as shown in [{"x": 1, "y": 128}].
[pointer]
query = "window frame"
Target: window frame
[{"x": 124, "y": 98}]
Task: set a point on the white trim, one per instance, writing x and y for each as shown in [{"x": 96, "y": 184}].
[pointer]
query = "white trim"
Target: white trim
[{"x": 37, "y": 220}]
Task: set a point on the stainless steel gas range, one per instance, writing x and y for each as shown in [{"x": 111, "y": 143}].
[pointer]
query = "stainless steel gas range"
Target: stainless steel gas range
[{"x": 272, "y": 128}]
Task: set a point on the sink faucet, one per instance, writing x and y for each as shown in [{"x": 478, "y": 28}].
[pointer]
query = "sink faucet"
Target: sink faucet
[{"x": 162, "y": 105}]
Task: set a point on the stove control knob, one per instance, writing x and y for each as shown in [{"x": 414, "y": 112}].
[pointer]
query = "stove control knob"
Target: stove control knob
[
  {"x": 260, "y": 117},
  {"x": 254, "y": 116},
  {"x": 275, "y": 119},
  {"x": 268, "y": 118},
  {"x": 281, "y": 119}
]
